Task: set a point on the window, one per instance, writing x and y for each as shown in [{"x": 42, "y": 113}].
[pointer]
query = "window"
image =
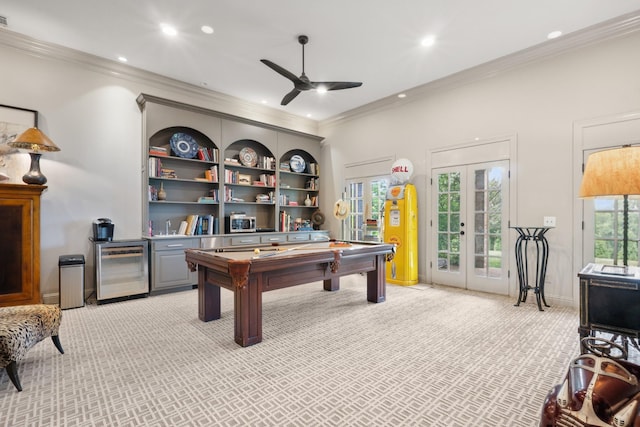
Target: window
[{"x": 608, "y": 231}]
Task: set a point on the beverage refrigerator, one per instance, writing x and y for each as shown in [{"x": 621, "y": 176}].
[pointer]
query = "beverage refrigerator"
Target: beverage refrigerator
[{"x": 121, "y": 269}]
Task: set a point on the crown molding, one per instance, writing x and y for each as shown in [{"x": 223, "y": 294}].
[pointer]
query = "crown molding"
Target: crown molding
[
  {"x": 615, "y": 28},
  {"x": 202, "y": 97}
]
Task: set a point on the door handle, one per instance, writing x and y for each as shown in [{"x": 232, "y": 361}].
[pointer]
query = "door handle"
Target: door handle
[{"x": 462, "y": 224}]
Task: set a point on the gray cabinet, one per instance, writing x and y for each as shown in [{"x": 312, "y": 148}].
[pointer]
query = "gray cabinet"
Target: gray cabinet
[{"x": 169, "y": 269}]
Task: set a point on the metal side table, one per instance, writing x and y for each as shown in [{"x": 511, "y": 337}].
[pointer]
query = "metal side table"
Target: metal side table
[{"x": 533, "y": 235}]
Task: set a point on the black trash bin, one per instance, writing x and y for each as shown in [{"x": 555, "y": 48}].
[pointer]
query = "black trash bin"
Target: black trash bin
[{"x": 71, "y": 275}]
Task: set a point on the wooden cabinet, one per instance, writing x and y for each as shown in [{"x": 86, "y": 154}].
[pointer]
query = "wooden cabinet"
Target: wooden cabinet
[
  {"x": 20, "y": 244},
  {"x": 170, "y": 270}
]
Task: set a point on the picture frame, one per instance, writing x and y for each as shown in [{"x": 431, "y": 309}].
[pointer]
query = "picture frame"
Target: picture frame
[
  {"x": 13, "y": 121},
  {"x": 244, "y": 179}
]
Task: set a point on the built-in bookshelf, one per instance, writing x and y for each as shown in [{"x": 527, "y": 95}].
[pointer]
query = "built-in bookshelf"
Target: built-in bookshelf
[
  {"x": 223, "y": 165},
  {"x": 250, "y": 182},
  {"x": 299, "y": 190},
  {"x": 182, "y": 185}
]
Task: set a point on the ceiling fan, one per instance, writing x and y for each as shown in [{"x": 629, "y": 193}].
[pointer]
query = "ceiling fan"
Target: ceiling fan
[{"x": 303, "y": 83}]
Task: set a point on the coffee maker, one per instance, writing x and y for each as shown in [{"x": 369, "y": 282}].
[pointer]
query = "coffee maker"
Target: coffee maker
[{"x": 103, "y": 230}]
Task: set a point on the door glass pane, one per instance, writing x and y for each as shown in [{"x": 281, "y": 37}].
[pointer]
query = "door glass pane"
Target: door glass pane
[
  {"x": 354, "y": 222},
  {"x": 488, "y": 222},
  {"x": 609, "y": 231},
  {"x": 449, "y": 221}
]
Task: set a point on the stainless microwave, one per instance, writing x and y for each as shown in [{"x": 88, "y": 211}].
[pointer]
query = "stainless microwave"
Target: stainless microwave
[{"x": 240, "y": 223}]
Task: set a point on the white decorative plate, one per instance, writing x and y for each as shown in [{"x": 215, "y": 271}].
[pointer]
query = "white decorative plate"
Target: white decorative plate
[
  {"x": 248, "y": 157},
  {"x": 297, "y": 163}
]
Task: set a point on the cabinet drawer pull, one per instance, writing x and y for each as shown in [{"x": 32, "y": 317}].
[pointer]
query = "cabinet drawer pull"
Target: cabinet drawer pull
[
  {"x": 274, "y": 239},
  {"x": 247, "y": 241},
  {"x": 175, "y": 245}
]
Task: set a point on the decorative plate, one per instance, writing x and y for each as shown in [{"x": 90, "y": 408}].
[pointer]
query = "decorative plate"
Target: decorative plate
[
  {"x": 184, "y": 145},
  {"x": 297, "y": 163},
  {"x": 248, "y": 157}
]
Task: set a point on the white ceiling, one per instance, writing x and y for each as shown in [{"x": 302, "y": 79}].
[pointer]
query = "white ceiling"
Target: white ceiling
[{"x": 376, "y": 42}]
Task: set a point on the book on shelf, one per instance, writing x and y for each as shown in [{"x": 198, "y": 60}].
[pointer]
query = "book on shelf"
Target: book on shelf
[
  {"x": 154, "y": 167},
  {"x": 231, "y": 161},
  {"x": 192, "y": 222},
  {"x": 158, "y": 151},
  {"x": 207, "y": 199},
  {"x": 168, "y": 173},
  {"x": 208, "y": 154},
  {"x": 200, "y": 225},
  {"x": 183, "y": 228},
  {"x": 213, "y": 170}
]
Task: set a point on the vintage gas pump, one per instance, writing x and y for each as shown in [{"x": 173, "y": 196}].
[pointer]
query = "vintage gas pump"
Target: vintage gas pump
[{"x": 401, "y": 225}]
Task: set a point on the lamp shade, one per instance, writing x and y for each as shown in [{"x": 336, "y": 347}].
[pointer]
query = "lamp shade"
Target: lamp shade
[
  {"x": 612, "y": 173},
  {"x": 35, "y": 140}
]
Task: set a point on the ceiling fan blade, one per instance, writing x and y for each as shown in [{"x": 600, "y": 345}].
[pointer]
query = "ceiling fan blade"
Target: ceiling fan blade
[
  {"x": 336, "y": 85},
  {"x": 278, "y": 69},
  {"x": 289, "y": 97}
]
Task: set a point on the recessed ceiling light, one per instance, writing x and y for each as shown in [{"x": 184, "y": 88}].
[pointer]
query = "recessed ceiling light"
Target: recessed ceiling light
[
  {"x": 554, "y": 34},
  {"x": 402, "y": 95},
  {"x": 309, "y": 114},
  {"x": 264, "y": 101},
  {"x": 122, "y": 59},
  {"x": 206, "y": 29},
  {"x": 168, "y": 30},
  {"x": 428, "y": 41}
]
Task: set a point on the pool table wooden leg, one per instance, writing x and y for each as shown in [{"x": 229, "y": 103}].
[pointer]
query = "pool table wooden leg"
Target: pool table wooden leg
[
  {"x": 377, "y": 281},
  {"x": 332, "y": 284},
  {"x": 208, "y": 298},
  {"x": 248, "y": 313}
]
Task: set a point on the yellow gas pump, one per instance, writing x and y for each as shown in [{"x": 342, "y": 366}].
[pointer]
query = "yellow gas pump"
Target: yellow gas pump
[{"x": 401, "y": 225}]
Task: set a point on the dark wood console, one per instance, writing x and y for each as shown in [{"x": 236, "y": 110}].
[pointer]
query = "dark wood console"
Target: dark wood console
[
  {"x": 20, "y": 244},
  {"x": 610, "y": 302}
]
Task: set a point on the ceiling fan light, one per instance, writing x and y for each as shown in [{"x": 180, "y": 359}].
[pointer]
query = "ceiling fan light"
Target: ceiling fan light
[
  {"x": 428, "y": 41},
  {"x": 168, "y": 30},
  {"x": 321, "y": 89}
]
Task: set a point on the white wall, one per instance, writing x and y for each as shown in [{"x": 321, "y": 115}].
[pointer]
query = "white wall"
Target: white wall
[{"x": 538, "y": 103}]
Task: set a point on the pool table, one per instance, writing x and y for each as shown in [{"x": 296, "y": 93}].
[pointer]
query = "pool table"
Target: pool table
[{"x": 250, "y": 271}]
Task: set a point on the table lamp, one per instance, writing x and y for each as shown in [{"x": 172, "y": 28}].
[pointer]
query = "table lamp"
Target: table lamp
[
  {"x": 34, "y": 140},
  {"x": 614, "y": 172}
]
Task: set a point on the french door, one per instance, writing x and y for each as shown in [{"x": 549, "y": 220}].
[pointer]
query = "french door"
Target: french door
[
  {"x": 469, "y": 229},
  {"x": 366, "y": 198}
]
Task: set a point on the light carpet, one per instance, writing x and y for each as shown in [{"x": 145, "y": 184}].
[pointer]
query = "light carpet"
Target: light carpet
[{"x": 428, "y": 356}]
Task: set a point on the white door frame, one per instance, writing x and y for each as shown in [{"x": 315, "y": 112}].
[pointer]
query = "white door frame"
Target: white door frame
[
  {"x": 593, "y": 135},
  {"x": 479, "y": 150}
]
